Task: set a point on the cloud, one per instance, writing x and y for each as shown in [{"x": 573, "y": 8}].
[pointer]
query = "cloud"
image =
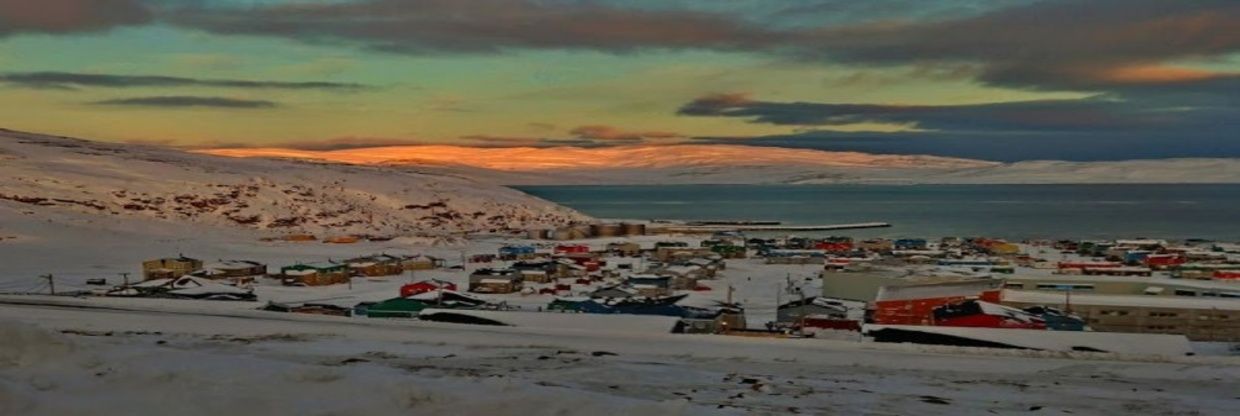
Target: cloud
[
  {"x": 1099, "y": 45},
  {"x": 188, "y": 101},
  {"x": 70, "y": 16},
  {"x": 1012, "y": 146},
  {"x": 1043, "y": 115},
  {"x": 1055, "y": 44},
  {"x": 401, "y": 26},
  {"x": 73, "y": 80},
  {"x": 1132, "y": 124},
  {"x": 614, "y": 134}
]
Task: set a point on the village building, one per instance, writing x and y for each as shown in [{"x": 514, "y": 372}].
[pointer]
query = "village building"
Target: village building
[
  {"x": 795, "y": 256},
  {"x": 626, "y": 249},
  {"x": 515, "y": 252},
  {"x": 236, "y": 272},
  {"x": 574, "y": 267},
  {"x": 375, "y": 266},
  {"x": 535, "y": 276},
  {"x": 614, "y": 291},
  {"x": 411, "y": 306},
  {"x": 483, "y": 258},
  {"x": 170, "y": 267},
  {"x": 722, "y": 321},
  {"x": 187, "y": 287},
  {"x": 424, "y": 286},
  {"x": 420, "y": 262},
  {"x": 1199, "y": 319},
  {"x": 650, "y": 284},
  {"x": 1203, "y": 271},
  {"x": 315, "y": 274},
  {"x": 571, "y": 249},
  {"x": 910, "y": 244},
  {"x": 1124, "y": 285},
  {"x": 496, "y": 281},
  {"x": 816, "y": 306},
  {"x": 915, "y": 304},
  {"x": 880, "y": 245}
]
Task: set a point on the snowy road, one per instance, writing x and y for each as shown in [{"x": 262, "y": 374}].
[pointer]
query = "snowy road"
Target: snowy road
[{"x": 79, "y": 359}]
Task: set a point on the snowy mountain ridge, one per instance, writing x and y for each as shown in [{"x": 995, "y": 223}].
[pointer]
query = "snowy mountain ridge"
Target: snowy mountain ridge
[{"x": 737, "y": 164}]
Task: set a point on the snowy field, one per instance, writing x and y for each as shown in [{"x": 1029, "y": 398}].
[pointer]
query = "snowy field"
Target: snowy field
[
  {"x": 176, "y": 358},
  {"x": 115, "y": 356}
]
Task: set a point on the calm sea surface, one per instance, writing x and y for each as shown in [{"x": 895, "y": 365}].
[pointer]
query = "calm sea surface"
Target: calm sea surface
[{"x": 1009, "y": 211}]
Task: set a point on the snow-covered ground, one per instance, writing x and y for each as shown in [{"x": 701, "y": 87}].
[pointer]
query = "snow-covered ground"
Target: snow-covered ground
[
  {"x": 69, "y": 208},
  {"x": 68, "y": 361}
]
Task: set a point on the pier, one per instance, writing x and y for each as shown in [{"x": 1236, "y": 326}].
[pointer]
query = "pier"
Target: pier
[{"x": 692, "y": 228}]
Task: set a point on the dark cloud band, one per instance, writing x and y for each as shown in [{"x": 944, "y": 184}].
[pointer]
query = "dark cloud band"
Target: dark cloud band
[
  {"x": 70, "y": 80},
  {"x": 188, "y": 101}
]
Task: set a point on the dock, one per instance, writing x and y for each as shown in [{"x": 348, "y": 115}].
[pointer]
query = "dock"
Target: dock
[{"x": 689, "y": 228}]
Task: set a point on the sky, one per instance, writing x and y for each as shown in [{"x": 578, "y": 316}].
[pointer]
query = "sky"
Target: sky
[{"x": 1003, "y": 80}]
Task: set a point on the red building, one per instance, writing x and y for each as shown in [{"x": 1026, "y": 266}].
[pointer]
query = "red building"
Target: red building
[
  {"x": 1162, "y": 261},
  {"x": 979, "y": 314},
  {"x": 835, "y": 246},
  {"x": 572, "y": 249},
  {"x": 915, "y": 304},
  {"x": 1227, "y": 275},
  {"x": 425, "y": 286}
]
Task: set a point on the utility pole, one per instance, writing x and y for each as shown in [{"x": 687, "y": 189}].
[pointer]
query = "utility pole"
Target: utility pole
[
  {"x": 1068, "y": 300},
  {"x": 801, "y": 318},
  {"x": 51, "y": 283}
]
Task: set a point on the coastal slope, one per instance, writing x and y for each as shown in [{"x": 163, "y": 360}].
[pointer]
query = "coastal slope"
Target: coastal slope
[{"x": 45, "y": 174}]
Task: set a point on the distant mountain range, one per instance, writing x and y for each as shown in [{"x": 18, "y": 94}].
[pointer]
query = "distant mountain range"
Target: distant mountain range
[
  {"x": 44, "y": 174},
  {"x": 737, "y": 164}
]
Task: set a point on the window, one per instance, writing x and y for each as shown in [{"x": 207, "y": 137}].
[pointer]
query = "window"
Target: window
[
  {"x": 1163, "y": 314},
  {"x": 1113, "y": 313},
  {"x": 1072, "y": 287},
  {"x": 1182, "y": 292},
  {"x": 1014, "y": 286}
]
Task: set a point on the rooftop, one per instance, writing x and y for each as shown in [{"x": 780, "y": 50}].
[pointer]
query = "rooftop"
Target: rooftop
[{"x": 1177, "y": 302}]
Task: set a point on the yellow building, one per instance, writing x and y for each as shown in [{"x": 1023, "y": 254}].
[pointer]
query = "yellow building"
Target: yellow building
[{"x": 170, "y": 267}]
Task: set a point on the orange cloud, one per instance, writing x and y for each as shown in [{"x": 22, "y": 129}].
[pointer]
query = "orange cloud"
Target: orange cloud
[{"x": 1158, "y": 74}]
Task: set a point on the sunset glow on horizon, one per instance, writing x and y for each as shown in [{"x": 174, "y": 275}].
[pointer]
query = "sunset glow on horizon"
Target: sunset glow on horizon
[{"x": 994, "y": 80}]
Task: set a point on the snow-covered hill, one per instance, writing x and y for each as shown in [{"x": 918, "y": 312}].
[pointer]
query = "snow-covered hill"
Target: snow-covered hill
[
  {"x": 55, "y": 173},
  {"x": 733, "y": 164},
  {"x": 1127, "y": 171},
  {"x": 646, "y": 164}
]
